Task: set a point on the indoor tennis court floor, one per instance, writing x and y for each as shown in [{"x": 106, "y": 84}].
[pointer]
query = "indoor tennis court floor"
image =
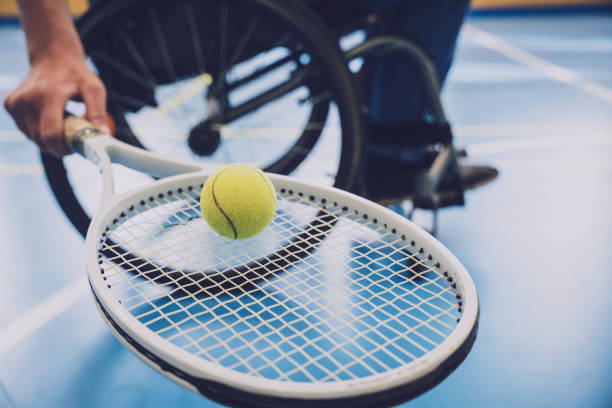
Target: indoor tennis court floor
[{"x": 530, "y": 94}]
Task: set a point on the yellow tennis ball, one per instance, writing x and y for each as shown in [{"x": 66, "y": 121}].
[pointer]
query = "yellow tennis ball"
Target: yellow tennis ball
[{"x": 238, "y": 201}]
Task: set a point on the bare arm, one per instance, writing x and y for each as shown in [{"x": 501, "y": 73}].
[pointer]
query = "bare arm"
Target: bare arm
[{"x": 58, "y": 73}]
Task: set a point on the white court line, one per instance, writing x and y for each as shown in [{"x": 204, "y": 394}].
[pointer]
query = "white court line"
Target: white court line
[
  {"x": 41, "y": 314},
  {"x": 12, "y": 136},
  {"x": 554, "y": 71},
  {"x": 514, "y": 145},
  {"x": 20, "y": 169},
  {"x": 531, "y": 130}
]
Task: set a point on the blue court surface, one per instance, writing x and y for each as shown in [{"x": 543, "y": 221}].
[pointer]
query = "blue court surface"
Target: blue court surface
[{"x": 529, "y": 94}]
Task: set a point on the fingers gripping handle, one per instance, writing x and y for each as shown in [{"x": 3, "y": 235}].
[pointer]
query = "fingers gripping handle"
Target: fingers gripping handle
[{"x": 75, "y": 130}]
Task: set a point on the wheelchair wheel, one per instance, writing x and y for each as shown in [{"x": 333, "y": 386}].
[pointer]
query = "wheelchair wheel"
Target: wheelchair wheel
[{"x": 216, "y": 81}]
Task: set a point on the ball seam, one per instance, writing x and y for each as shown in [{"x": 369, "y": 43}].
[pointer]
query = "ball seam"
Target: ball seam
[{"x": 212, "y": 191}]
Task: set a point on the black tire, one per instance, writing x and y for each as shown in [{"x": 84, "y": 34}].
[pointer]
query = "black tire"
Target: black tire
[{"x": 305, "y": 26}]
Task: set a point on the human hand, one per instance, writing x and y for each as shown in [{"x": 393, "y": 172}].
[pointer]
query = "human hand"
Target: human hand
[{"x": 37, "y": 105}]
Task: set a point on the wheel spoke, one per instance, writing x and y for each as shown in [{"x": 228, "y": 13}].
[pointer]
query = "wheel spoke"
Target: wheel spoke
[
  {"x": 163, "y": 47},
  {"x": 99, "y": 56},
  {"x": 195, "y": 38},
  {"x": 223, "y": 39},
  {"x": 125, "y": 99},
  {"x": 137, "y": 56},
  {"x": 241, "y": 44}
]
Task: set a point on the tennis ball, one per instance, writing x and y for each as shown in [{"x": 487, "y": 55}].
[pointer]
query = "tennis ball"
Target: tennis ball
[{"x": 238, "y": 201}]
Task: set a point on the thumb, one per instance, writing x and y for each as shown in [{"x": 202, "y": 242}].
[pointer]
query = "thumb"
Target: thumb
[{"x": 94, "y": 96}]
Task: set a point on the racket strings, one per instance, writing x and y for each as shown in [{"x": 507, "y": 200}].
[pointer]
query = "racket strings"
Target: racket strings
[{"x": 360, "y": 300}]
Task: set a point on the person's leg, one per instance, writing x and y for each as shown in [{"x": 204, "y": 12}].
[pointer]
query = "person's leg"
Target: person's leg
[
  {"x": 393, "y": 83},
  {"x": 398, "y": 110}
]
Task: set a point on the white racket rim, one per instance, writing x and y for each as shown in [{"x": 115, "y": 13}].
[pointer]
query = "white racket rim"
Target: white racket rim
[{"x": 207, "y": 370}]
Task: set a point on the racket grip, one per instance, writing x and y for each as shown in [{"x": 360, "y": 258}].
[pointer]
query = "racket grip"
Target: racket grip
[{"x": 75, "y": 129}]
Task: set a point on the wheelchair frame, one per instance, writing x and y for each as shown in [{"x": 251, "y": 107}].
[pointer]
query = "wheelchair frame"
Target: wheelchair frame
[{"x": 426, "y": 181}]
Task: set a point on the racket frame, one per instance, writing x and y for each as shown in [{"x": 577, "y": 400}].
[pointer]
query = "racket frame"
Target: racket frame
[
  {"x": 182, "y": 367},
  {"x": 203, "y": 369}
]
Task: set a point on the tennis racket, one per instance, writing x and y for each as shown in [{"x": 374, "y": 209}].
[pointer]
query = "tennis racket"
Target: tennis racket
[{"x": 339, "y": 302}]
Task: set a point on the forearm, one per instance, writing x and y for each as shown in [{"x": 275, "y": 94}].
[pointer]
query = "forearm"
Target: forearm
[
  {"x": 58, "y": 73},
  {"x": 49, "y": 29}
]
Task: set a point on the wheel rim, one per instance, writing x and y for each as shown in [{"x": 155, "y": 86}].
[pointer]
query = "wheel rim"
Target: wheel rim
[{"x": 288, "y": 162}]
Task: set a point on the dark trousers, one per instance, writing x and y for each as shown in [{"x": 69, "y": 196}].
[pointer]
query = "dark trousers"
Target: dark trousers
[{"x": 392, "y": 85}]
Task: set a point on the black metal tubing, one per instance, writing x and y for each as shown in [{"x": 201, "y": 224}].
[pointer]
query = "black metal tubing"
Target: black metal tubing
[
  {"x": 262, "y": 71},
  {"x": 386, "y": 44},
  {"x": 376, "y": 47},
  {"x": 296, "y": 81}
]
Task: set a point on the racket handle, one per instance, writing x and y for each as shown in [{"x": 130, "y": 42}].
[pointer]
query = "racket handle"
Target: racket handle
[
  {"x": 106, "y": 149},
  {"x": 75, "y": 129}
]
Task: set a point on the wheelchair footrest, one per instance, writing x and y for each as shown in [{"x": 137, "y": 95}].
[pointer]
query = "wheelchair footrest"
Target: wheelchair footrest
[
  {"x": 435, "y": 186},
  {"x": 440, "y": 185}
]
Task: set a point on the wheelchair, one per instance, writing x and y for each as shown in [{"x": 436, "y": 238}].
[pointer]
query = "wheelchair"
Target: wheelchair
[{"x": 263, "y": 82}]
